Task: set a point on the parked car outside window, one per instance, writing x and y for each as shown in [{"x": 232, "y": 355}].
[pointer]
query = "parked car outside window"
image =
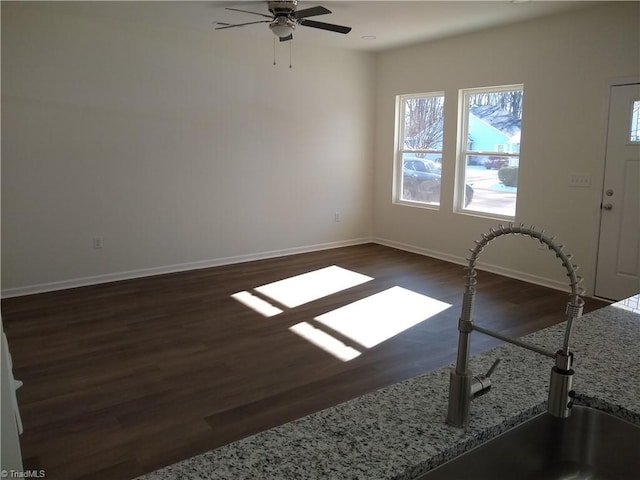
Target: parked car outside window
[
  {"x": 495, "y": 163},
  {"x": 421, "y": 181}
]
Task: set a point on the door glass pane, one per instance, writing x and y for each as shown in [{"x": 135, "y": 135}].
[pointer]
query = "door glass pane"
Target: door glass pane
[{"x": 634, "y": 134}]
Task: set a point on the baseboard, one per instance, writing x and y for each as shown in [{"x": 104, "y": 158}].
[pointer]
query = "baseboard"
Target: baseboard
[
  {"x": 487, "y": 267},
  {"x": 218, "y": 262},
  {"x": 148, "y": 272}
]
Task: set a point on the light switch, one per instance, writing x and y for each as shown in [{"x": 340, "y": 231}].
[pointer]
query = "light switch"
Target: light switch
[{"x": 579, "y": 180}]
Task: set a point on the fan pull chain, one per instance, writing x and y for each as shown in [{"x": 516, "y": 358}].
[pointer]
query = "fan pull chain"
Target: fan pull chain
[
  {"x": 274, "y": 50},
  {"x": 290, "y": 48}
]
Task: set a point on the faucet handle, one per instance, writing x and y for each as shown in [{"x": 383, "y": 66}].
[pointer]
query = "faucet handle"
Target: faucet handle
[{"x": 481, "y": 384}]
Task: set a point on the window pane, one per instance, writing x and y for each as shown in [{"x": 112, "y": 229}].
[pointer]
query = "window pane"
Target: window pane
[
  {"x": 423, "y": 123},
  {"x": 494, "y": 184},
  {"x": 490, "y": 150},
  {"x": 421, "y": 177},
  {"x": 634, "y": 135},
  {"x": 419, "y": 166}
]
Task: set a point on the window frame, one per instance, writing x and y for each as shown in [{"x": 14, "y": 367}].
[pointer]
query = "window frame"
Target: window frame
[
  {"x": 400, "y": 150},
  {"x": 463, "y": 151}
]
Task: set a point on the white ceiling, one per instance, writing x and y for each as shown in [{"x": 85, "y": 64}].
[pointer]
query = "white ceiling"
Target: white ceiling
[{"x": 392, "y": 23}]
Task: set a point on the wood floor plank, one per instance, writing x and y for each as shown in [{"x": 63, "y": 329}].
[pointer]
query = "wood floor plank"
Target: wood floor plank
[{"x": 124, "y": 378}]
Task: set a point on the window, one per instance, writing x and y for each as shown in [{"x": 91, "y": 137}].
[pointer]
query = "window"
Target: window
[
  {"x": 489, "y": 151},
  {"x": 418, "y": 168}
]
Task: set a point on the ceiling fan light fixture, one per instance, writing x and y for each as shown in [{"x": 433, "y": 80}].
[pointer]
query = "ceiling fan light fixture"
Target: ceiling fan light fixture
[{"x": 282, "y": 27}]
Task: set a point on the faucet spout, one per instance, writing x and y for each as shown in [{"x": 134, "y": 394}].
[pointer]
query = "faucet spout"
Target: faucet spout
[{"x": 462, "y": 384}]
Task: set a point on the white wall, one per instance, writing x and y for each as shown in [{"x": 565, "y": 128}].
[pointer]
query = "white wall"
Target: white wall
[
  {"x": 178, "y": 148},
  {"x": 565, "y": 64},
  {"x": 185, "y": 149}
]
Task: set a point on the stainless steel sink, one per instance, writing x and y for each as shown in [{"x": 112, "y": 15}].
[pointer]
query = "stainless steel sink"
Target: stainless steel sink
[{"x": 589, "y": 445}]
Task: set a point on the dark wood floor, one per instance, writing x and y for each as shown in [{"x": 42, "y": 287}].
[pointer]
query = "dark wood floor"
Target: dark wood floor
[{"x": 124, "y": 378}]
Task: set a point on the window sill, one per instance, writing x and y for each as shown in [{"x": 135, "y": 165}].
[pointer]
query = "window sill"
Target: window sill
[
  {"x": 409, "y": 203},
  {"x": 486, "y": 215}
]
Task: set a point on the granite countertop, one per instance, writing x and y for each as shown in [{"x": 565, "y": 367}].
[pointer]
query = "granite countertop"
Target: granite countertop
[{"x": 399, "y": 432}]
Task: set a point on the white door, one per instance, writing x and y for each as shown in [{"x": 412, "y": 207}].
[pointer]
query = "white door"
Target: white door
[{"x": 618, "y": 266}]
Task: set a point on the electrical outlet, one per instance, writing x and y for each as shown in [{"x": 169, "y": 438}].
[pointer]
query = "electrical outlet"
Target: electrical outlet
[
  {"x": 336, "y": 217},
  {"x": 98, "y": 243}
]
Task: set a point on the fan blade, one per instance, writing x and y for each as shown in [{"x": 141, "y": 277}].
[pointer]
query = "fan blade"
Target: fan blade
[
  {"x": 311, "y": 12},
  {"x": 247, "y": 11},
  {"x": 242, "y": 24},
  {"x": 324, "y": 26},
  {"x": 286, "y": 39}
]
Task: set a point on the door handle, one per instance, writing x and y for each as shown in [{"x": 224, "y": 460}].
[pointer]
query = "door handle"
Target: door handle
[{"x": 607, "y": 206}]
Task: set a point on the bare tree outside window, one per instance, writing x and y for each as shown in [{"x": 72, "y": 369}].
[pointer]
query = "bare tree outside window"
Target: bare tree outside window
[
  {"x": 509, "y": 101},
  {"x": 423, "y": 123}
]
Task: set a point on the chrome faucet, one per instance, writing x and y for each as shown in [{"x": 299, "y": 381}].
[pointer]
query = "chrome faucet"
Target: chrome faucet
[{"x": 463, "y": 386}]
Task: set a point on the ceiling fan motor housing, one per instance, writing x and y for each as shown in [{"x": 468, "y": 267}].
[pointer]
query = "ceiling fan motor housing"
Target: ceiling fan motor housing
[{"x": 283, "y": 7}]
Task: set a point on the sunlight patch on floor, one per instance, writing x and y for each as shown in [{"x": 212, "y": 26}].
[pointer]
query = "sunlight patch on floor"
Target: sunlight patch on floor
[
  {"x": 377, "y": 318},
  {"x": 325, "y": 341},
  {"x": 295, "y": 291},
  {"x": 364, "y": 323},
  {"x": 256, "y": 303}
]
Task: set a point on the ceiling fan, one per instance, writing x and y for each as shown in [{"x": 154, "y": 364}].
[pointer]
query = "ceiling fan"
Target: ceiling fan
[{"x": 285, "y": 18}]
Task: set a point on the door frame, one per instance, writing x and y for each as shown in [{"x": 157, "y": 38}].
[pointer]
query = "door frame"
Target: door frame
[{"x": 612, "y": 82}]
